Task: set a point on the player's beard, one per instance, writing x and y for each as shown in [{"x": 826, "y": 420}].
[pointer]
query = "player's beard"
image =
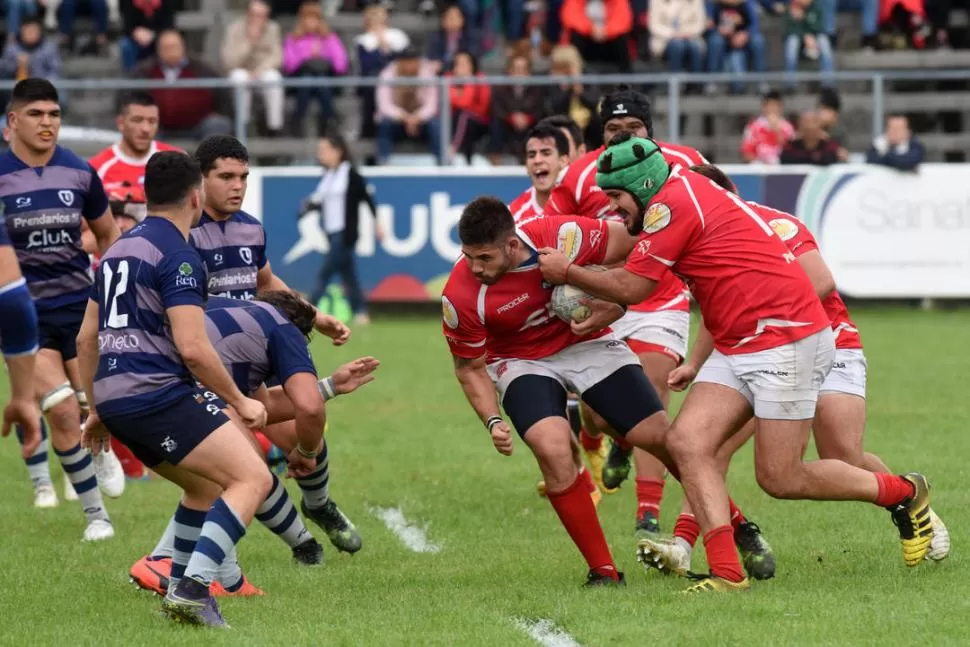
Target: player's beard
[{"x": 635, "y": 228}]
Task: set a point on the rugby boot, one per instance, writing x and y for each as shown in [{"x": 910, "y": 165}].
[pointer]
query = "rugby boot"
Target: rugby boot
[
  {"x": 647, "y": 525},
  {"x": 246, "y": 590},
  {"x": 596, "y": 460},
  {"x": 190, "y": 603},
  {"x": 152, "y": 573},
  {"x": 596, "y": 580},
  {"x": 340, "y": 530},
  {"x": 756, "y": 553},
  {"x": 913, "y": 520},
  {"x": 940, "y": 544},
  {"x": 309, "y": 553},
  {"x": 617, "y": 467},
  {"x": 665, "y": 554},
  {"x": 707, "y": 583}
]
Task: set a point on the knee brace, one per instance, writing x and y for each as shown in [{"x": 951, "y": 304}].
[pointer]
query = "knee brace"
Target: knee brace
[{"x": 55, "y": 396}]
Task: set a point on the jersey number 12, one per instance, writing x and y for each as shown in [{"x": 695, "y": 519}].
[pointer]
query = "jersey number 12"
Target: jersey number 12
[{"x": 115, "y": 320}]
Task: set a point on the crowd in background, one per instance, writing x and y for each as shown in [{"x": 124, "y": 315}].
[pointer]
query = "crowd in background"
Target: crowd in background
[{"x": 563, "y": 37}]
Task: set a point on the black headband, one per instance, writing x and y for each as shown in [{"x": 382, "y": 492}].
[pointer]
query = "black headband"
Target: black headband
[{"x": 617, "y": 109}]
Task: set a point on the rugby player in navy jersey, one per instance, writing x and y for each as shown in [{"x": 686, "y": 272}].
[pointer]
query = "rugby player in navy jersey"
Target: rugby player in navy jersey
[
  {"x": 142, "y": 346},
  {"x": 46, "y": 191},
  {"x": 232, "y": 244},
  {"x": 258, "y": 340},
  {"x": 18, "y": 341}
]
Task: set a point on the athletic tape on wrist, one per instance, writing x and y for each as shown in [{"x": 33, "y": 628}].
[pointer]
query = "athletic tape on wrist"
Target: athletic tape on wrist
[
  {"x": 492, "y": 421},
  {"x": 327, "y": 388}
]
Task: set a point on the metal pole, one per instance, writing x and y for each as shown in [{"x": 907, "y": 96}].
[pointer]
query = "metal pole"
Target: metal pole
[
  {"x": 878, "y": 104},
  {"x": 673, "y": 108},
  {"x": 241, "y": 119},
  {"x": 444, "y": 110}
]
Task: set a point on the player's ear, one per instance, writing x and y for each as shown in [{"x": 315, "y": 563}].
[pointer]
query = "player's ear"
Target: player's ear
[{"x": 119, "y": 121}]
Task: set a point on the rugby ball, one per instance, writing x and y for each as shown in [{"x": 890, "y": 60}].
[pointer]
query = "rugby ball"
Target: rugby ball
[{"x": 565, "y": 301}]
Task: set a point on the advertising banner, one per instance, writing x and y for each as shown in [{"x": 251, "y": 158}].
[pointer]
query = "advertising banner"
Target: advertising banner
[{"x": 885, "y": 234}]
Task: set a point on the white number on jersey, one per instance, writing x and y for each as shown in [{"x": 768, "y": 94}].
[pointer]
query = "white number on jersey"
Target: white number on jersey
[{"x": 115, "y": 320}]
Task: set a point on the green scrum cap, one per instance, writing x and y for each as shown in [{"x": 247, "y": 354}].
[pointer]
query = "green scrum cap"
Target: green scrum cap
[{"x": 634, "y": 165}]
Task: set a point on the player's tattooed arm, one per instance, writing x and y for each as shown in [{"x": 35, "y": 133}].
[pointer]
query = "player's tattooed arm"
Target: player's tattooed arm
[{"x": 477, "y": 386}]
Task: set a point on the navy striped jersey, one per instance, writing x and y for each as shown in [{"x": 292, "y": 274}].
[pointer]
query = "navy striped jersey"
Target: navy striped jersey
[
  {"x": 148, "y": 270},
  {"x": 43, "y": 208},
  {"x": 4, "y": 236},
  {"x": 233, "y": 250},
  {"x": 255, "y": 342}
]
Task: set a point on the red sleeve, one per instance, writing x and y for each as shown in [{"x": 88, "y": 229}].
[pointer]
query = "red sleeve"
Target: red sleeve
[
  {"x": 99, "y": 160},
  {"x": 667, "y": 230},
  {"x": 461, "y": 324},
  {"x": 790, "y": 229},
  {"x": 562, "y": 199},
  {"x": 583, "y": 240},
  {"x": 749, "y": 143},
  {"x": 619, "y": 19}
]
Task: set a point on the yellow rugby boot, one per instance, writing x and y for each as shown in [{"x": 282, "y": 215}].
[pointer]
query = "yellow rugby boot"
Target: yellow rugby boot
[{"x": 914, "y": 521}]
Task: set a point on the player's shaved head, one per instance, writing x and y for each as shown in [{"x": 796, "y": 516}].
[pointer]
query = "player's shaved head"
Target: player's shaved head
[
  {"x": 170, "y": 176},
  {"x": 715, "y": 175},
  {"x": 485, "y": 221},
  {"x": 294, "y": 307}
]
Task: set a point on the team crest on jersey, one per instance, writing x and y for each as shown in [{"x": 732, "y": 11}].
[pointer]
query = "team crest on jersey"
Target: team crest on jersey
[
  {"x": 246, "y": 254},
  {"x": 656, "y": 218},
  {"x": 570, "y": 240},
  {"x": 66, "y": 196},
  {"x": 449, "y": 313},
  {"x": 784, "y": 228}
]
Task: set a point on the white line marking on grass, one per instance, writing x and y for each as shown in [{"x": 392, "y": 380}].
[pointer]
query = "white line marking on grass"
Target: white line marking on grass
[
  {"x": 410, "y": 535},
  {"x": 546, "y": 633}
]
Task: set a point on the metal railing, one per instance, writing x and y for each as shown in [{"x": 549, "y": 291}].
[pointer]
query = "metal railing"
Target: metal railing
[{"x": 674, "y": 84}]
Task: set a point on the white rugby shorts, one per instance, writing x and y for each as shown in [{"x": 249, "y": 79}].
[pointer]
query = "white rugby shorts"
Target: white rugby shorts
[
  {"x": 664, "y": 331},
  {"x": 780, "y": 383},
  {"x": 848, "y": 374}
]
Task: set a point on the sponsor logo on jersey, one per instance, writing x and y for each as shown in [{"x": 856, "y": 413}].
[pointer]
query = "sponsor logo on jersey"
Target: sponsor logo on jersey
[
  {"x": 42, "y": 238},
  {"x": 656, "y": 218},
  {"x": 108, "y": 342},
  {"x": 23, "y": 202},
  {"x": 522, "y": 298},
  {"x": 643, "y": 247},
  {"x": 570, "y": 240},
  {"x": 595, "y": 237},
  {"x": 784, "y": 228},
  {"x": 185, "y": 278},
  {"x": 448, "y": 313}
]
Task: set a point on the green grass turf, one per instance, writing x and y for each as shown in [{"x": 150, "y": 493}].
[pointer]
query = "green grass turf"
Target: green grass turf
[{"x": 410, "y": 440}]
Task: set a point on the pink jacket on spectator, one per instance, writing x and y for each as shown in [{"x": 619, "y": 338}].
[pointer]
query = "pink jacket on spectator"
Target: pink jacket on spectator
[
  {"x": 389, "y": 98},
  {"x": 297, "y": 49}
]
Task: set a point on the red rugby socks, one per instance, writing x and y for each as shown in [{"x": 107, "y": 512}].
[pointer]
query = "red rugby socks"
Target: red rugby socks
[{"x": 578, "y": 515}]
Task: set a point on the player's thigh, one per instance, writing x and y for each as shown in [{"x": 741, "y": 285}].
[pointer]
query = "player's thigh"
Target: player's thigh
[
  {"x": 778, "y": 449},
  {"x": 785, "y": 381},
  {"x": 592, "y": 420},
  {"x": 199, "y": 491},
  {"x": 660, "y": 341},
  {"x": 839, "y": 426},
  {"x": 657, "y": 366},
  {"x": 628, "y": 402},
  {"x": 711, "y": 413},
  {"x": 536, "y": 406}
]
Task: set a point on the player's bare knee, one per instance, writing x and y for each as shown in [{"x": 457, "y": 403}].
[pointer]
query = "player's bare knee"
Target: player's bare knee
[
  {"x": 682, "y": 446},
  {"x": 262, "y": 482},
  {"x": 778, "y": 481},
  {"x": 651, "y": 433}
]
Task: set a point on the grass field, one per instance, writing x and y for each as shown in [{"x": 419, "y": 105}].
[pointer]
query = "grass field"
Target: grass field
[{"x": 410, "y": 441}]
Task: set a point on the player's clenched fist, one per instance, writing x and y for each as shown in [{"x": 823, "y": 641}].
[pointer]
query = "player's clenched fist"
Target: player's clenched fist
[
  {"x": 681, "y": 377},
  {"x": 501, "y": 437},
  {"x": 553, "y": 264},
  {"x": 252, "y": 412}
]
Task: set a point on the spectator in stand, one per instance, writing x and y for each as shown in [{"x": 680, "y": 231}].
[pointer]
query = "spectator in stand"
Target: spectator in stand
[
  {"x": 481, "y": 16},
  {"x": 828, "y": 111},
  {"x": 897, "y": 148},
  {"x": 869, "y": 9},
  {"x": 766, "y": 136},
  {"x": 515, "y": 108},
  {"x": 66, "y": 12},
  {"x": 455, "y": 35},
  {"x": 804, "y": 37},
  {"x": 311, "y": 50},
  {"x": 409, "y": 111},
  {"x": 571, "y": 98},
  {"x": 185, "y": 112},
  {"x": 812, "y": 145},
  {"x": 676, "y": 33},
  {"x": 252, "y": 51},
  {"x": 375, "y": 48},
  {"x": 13, "y": 10},
  {"x": 907, "y": 21},
  {"x": 29, "y": 54},
  {"x": 600, "y": 30},
  {"x": 733, "y": 39},
  {"x": 142, "y": 23},
  {"x": 471, "y": 106}
]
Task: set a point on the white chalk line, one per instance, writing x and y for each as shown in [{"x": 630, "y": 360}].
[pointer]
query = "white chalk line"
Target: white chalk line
[
  {"x": 413, "y": 537},
  {"x": 545, "y": 632}
]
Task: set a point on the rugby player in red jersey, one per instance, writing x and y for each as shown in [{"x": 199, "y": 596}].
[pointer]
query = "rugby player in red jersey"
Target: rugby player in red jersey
[
  {"x": 546, "y": 157},
  {"x": 656, "y": 330},
  {"x": 772, "y": 349},
  {"x": 503, "y": 337}
]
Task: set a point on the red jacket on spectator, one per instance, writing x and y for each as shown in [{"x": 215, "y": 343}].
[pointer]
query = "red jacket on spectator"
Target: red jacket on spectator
[
  {"x": 474, "y": 99},
  {"x": 762, "y": 143},
  {"x": 185, "y": 108},
  {"x": 619, "y": 18}
]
